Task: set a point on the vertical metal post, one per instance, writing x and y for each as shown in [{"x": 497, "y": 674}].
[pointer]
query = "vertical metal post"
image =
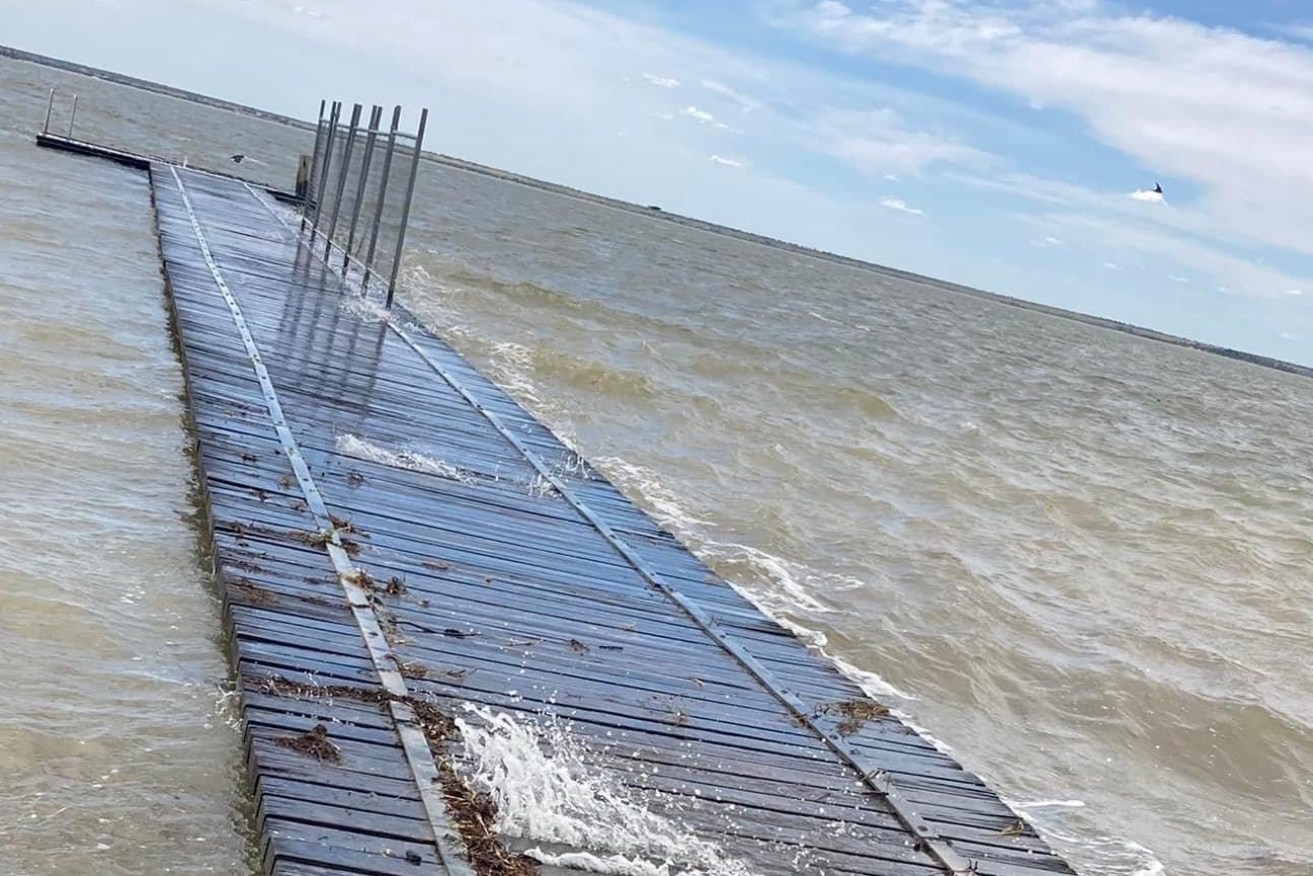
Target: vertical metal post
[
  {"x": 310, "y": 193},
  {"x": 382, "y": 193},
  {"x": 375, "y": 115},
  {"x": 405, "y": 210},
  {"x": 329, "y": 137},
  {"x": 71, "y": 116},
  {"x": 341, "y": 178},
  {"x": 50, "y": 105}
]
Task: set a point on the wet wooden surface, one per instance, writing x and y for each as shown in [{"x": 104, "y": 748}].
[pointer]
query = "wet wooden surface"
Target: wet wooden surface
[{"x": 492, "y": 588}]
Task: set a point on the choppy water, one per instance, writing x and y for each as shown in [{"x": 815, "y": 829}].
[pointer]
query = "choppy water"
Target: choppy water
[{"x": 1078, "y": 558}]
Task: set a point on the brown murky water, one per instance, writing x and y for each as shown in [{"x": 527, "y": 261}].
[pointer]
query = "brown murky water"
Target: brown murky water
[{"x": 1079, "y": 559}]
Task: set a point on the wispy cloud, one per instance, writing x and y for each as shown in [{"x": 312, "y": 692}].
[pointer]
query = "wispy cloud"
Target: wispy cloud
[
  {"x": 730, "y": 162},
  {"x": 900, "y": 205},
  {"x": 1147, "y": 195},
  {"x": 879, "y": 141},
  {"x": 745, "y": 103},
  {"x": 662, "y": 81},
  {"x": 701, "y": 115}
]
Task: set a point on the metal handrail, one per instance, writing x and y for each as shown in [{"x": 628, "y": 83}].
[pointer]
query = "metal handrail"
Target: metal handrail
[{"x": 335, "y": 161}]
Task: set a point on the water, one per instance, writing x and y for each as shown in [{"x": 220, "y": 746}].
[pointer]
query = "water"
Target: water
[
  {"x": 115, "y": 749},
  {"x": 1077, "y": 558}
]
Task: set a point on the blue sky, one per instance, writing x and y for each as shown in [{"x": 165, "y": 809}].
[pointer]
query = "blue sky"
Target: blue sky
[{"x": 993, "y": 143}]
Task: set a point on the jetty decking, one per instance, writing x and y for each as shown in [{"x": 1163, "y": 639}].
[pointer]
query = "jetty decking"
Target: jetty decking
[{"x": 395, "y": 538}]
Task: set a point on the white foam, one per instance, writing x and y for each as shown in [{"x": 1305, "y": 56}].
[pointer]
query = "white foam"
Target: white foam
[
  {"x": 1108, "y": 855},
  {"x": 554, "y": 798},
  {"x": 791, "y": 591},
  {"x": 872, "y": 684},
  {"x": 1046, "y": 804},
  {"x": 401, "y": 458},
  {"x": 661, "y": 503},
  {"x": 366, "y": 309}
]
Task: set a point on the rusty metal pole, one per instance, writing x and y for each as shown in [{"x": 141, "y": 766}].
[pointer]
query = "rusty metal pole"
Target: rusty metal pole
[
  {"x": 375, "y": 116},
  {"x": 382, "y": 194},
  {"x": 341, "y": 177},
  {"x": 405, "y": 210},
  {"x": 310, "y": 193}
]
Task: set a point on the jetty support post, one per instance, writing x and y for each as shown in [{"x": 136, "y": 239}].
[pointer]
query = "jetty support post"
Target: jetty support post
[
  {"x": 50, "y": 105},
  {"x": 308, "y": 193},
  {"x": 382, "y": 194},
  {"x": 341, "y": 178},
  {"x": 375, "y": 116},
  {"x": 405, "y": 209},
  {"x": 330, "y": 134},
  {"x": 71, "y": 116}
]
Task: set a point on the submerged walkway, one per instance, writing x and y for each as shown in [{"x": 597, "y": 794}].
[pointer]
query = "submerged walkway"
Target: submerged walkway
[{"x": 396, "y": 539}]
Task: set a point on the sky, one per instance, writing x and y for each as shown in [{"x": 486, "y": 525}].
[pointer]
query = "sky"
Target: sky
[{"x": 1010, "y": 146}]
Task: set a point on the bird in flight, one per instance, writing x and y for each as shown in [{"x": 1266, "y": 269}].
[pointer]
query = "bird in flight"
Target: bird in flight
[
  {"x": 1157, "y": 188},
  {"x": 238, "y": 158}
]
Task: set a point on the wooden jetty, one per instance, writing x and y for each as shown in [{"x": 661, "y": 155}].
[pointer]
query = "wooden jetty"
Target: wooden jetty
[{"x": 397, "y": 539}]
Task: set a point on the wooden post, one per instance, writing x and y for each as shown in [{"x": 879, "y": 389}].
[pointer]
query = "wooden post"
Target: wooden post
[{"x": 303, "y": 177}]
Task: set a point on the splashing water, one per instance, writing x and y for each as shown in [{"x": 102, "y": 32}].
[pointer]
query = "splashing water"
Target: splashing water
[
  {"x": 407, "y": 459},
  {"x": 555, "y": 799}
]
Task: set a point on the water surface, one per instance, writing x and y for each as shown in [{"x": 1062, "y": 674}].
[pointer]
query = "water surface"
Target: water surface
[{"x": 1078, "y": 558}]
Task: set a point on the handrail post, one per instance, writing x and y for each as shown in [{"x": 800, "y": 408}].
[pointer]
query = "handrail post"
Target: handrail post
[
  {"x": 50, "y": 105},
  {"x": 375, "y": 115},
  {"x": 405, "y": 210},
  {"x": 71, "y": 116},
  {"x": 382, "y": 194},
  {"x": 310, "y": 193},
  {"x": 328, "y": 161},
  {"x": 341, "y": 178}
]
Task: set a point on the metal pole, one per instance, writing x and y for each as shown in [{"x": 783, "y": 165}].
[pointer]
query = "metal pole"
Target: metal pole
[
  {"x": 50, "y": 105},
  {"x": 341, "y": 178},
  {"x": 310, "y": 194},
  {"x": 71, "y": 116},
  {"x": 375, "y": 115},
  {"x": 382, "y": 193},
  {"x": 328, "y": 161},
  {"x": 405, "y": 210}
]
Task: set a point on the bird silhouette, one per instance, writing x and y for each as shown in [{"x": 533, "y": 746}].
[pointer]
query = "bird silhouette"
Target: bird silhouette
[
  {"x": 1157, "y": 188},
  {"x": 238, "y": 158}
]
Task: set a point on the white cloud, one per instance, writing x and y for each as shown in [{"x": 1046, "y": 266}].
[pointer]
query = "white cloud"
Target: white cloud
[
  {"x": 662, "y": 81},
  {"x": 900, "y": 205},
  {"x": 1229, "y": 111},
  {"x": 880, "y": 141},
  {"x": 1294, "y": 291},
  {"x": 745, "y": 103},
  {"x": 1112, "y": 266},
  {"x": 1177, "y": 278},
  {"x": 892, "y": 177},
  {"x": 1148, "y": 195},
  {"x": 730, "y": 162},
  {"x": 1048, "y": 241},
  {"x": 701, "y": 115}
]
